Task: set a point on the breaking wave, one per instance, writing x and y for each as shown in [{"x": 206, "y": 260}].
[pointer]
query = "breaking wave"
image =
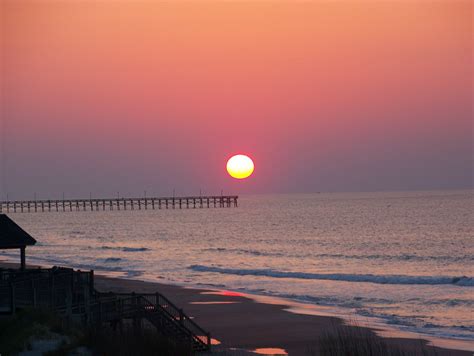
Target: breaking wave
[{"x": 370, "y": 278}]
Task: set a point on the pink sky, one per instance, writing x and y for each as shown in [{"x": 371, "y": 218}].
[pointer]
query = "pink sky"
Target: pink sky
[{"x": 106, "y": 96}]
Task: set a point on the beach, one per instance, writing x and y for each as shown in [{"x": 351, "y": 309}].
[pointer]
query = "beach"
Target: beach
[
  {"x": 296, "y": 176},
  {"x": 405, "y": 274},
  {"x": 250, "y": 324},
  {"x": 238, "y": 321},
  {"x": 401, "y": 259}
]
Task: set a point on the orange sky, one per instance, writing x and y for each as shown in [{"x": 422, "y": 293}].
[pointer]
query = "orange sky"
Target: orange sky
[{"x": 324, "y": 95}]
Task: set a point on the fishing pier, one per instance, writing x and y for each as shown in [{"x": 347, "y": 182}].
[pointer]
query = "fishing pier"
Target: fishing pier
[{"x": 63, "y": 205}]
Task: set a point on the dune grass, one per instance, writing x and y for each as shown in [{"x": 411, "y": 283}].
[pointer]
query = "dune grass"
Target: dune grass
[
  {"x": 18, "y": 333},
  {"x": 342, "y": 340}
]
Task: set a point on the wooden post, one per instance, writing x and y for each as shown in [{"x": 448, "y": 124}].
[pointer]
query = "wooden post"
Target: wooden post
[
  {"x": 34, "y": 297},
  {"x": 136, "y": 320},
  {"x": 157, "y": 300},
  {"x": 209, "y": 340},
  {"x": 51, "y": 281},
  {"x": 12, "y": 299},
  {"x": 91, "y": 282},
  {"x": 22, "y": 258},
  {"x": 69, "y": 302}
]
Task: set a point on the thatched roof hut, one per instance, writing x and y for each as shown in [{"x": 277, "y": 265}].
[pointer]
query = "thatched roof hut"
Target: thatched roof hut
[{"x": 12, "y": 236}]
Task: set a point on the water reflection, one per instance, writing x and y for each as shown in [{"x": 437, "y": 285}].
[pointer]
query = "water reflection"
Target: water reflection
[
  {"x": 270, "y": 351},
  {"x": 216, "y": 302},
  {"x": 226, "y": 293}
]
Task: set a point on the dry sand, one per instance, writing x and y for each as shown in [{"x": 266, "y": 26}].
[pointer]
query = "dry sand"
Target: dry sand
[{"x": 238, "y": 321}]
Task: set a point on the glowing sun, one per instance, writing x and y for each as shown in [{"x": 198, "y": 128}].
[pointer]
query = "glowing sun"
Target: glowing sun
[{"x": 240, "y": 166}]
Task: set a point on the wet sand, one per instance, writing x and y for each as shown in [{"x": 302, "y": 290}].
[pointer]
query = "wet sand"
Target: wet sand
[
  {"x": 239, "y": 321},
  {"x": 246, "y": 322}
]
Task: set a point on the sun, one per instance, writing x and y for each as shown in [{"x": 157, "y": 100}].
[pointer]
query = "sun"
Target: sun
[{"x": 240, "y": 166}]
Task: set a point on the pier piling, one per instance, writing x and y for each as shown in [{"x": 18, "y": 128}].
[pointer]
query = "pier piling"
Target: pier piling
[{"x": 66, "y": 205}]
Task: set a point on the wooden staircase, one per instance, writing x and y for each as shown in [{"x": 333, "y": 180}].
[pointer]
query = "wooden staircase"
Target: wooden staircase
[{"x": 72, "y": 294}]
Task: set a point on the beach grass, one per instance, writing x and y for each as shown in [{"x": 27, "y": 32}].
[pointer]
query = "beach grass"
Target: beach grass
[
  {"x": 22, "y": 331},
  {"x": 343, "y": 340},
  {"x": 17, "y": 331}
]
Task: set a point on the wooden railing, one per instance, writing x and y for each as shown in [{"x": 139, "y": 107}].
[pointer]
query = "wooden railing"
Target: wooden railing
[
  {"x": 47, "y": 288},
  {"x": 158, "y": 303},
  {"x": 71, "y": 294}
]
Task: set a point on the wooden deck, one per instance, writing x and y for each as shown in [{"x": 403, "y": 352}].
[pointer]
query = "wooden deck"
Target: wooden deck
[{"x": 72, "y": 295}]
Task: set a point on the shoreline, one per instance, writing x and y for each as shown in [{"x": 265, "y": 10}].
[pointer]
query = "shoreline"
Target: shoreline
[
  {"x": 248, "y": 322},
  {"x": 308, "y": 320}
]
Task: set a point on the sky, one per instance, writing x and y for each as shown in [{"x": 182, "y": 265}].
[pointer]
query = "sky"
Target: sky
[{"x": 100, "y": 97}]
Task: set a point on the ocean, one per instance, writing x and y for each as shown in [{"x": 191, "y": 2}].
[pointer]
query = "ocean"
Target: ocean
[{"x": 405, "y": 258}]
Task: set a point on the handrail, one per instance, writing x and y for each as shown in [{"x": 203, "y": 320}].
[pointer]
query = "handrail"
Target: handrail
[
  {"x": 180, "y": 318},
  {"x": 179, "y": 311},
  {"x": 50, "y": 288}
]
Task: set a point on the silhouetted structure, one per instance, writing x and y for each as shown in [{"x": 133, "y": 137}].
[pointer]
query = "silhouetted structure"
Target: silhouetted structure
[
  {"x": 191, "y": 202},
  {"x": 14, "y": 237},
  {"x": 71, "y": 294}
]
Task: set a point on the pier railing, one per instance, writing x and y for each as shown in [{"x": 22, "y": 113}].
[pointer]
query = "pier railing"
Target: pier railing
[{"x": 152, "y": 203}]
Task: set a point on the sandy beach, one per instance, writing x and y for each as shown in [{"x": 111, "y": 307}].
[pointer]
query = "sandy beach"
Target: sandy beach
[
  {"x": 238, "y": 321},
  {"x": 246, "y": 322}
]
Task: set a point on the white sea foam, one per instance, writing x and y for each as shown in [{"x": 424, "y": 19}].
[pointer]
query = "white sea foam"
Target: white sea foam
[
  {"x": 404, "y": 257},
  {"x": 369, "y": 278}
]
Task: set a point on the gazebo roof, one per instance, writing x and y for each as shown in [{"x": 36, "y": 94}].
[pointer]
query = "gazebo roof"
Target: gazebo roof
[{"x": 13, "y": 236}]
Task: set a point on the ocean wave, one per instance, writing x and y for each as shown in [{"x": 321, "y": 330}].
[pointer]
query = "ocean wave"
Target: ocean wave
[
  {"x": 244, "y": 251},
  {"x": 403, "y": 257},
  {"x": 125, "y": 249},
  {"x": 370, "y": 278}
]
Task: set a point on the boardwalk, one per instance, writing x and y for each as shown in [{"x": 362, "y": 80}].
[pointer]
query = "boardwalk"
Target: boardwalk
[{"x": 192, "y": 202}]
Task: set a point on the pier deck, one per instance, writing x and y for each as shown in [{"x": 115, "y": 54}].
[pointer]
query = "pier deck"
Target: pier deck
[{"x": 152, "y": 203}]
